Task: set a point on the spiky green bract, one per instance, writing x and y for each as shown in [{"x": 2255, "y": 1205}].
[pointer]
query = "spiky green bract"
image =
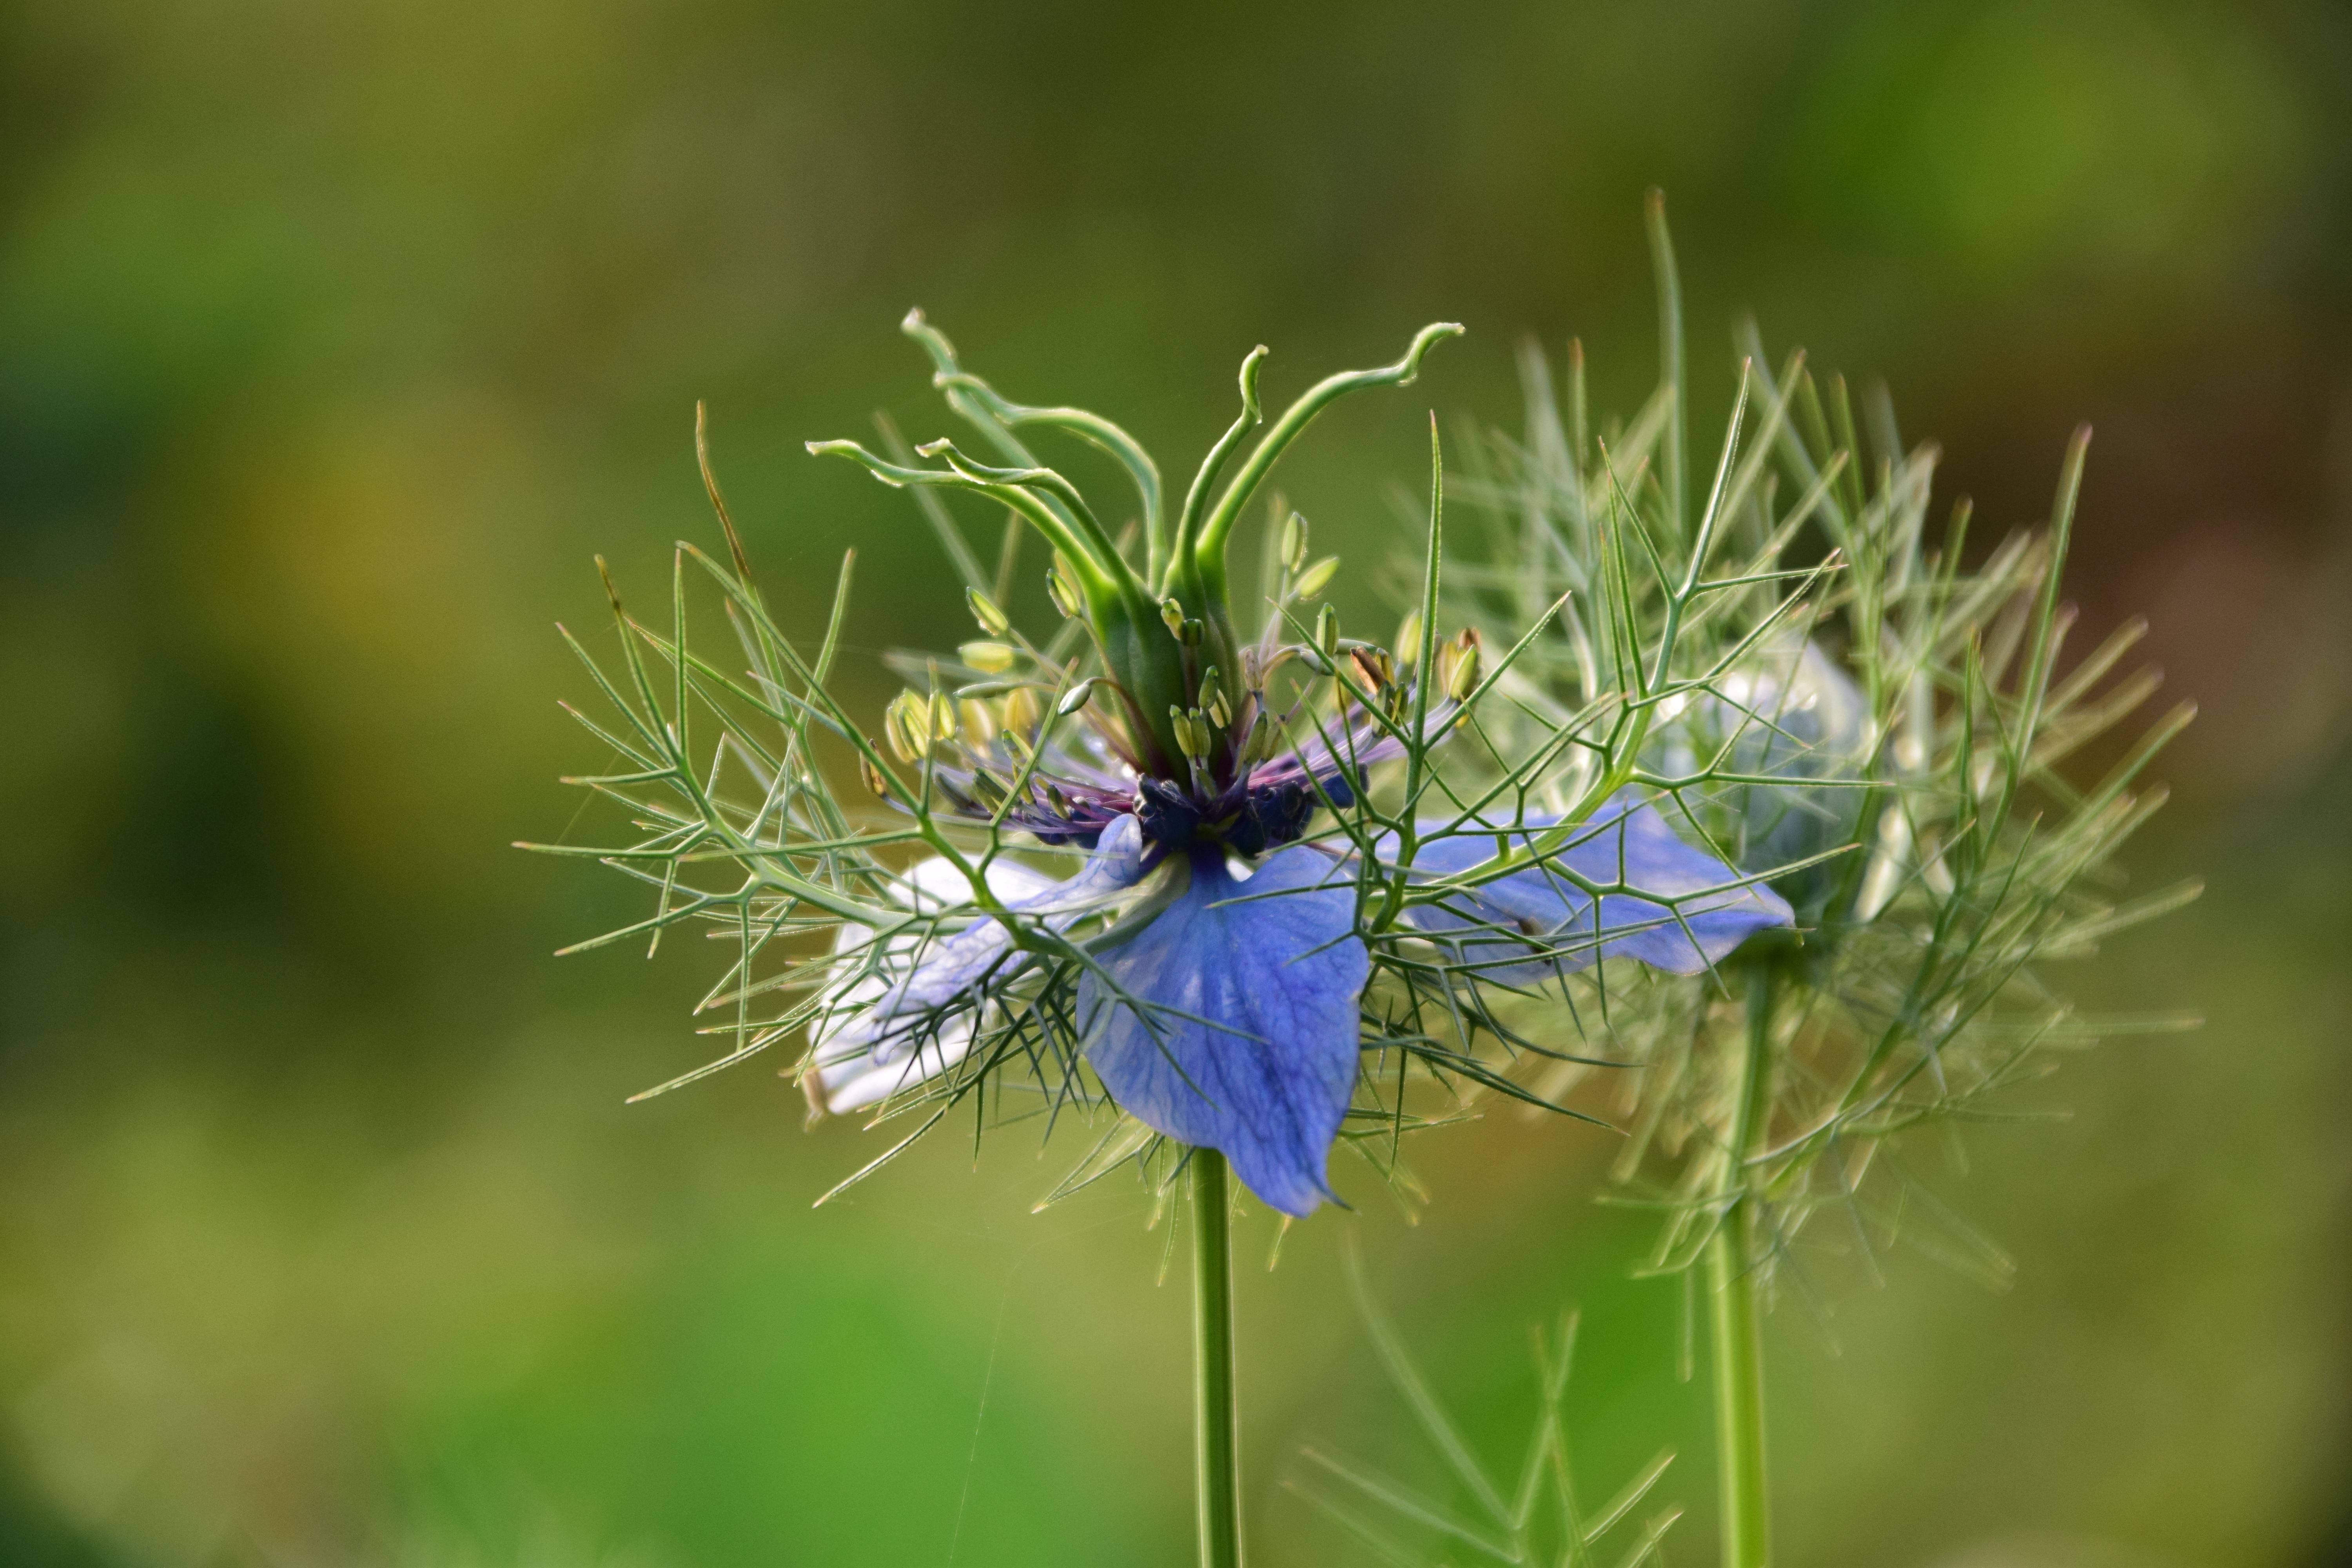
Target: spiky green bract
[
  {"x": 1943, "y": 850},
  {"x": 1832, "y": 691},
  {"x": 1539, "y": 1516}
]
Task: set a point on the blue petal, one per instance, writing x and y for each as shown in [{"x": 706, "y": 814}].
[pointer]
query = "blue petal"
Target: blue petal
[
  {"x": 917, "y": 1016},
  {"x": 1625, "y": 841},
  {"x": 1269, "y": 1079}
]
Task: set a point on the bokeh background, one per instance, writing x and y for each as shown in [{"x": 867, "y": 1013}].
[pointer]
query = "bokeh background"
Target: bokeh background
[{"x": 335, "y": 339}]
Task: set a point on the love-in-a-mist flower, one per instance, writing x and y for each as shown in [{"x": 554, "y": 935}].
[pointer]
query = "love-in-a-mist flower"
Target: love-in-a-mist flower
[
  {"x": 1275, "y": 876},
  {"x": 1839, "y": 707},
  {"x": 1818, "y": 684}
]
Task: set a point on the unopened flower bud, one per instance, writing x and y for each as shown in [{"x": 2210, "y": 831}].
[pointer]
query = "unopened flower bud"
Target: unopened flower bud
[
  {"x": 942, "y": 716},
  {"x": 1219, "y": 712},
  {"x": 983, "y": 609},
  {"x": 1076, "y": 695},
  {"x": 1293, "y": 543},
  {"x": 1327, "y": 631},
  {"x": 979, "y": 723},
  {"x": 872, "y": 778},
  {"x": 1791, "y": 713},
  {"x": 1171, "y": 616}
]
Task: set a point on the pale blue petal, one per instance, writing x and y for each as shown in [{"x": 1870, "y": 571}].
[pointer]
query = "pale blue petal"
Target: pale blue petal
[
  {"x": 1800, "y": 718},
  {"x": 920, "y": 1003},
  {"x": 1625, "y": 841},
  {"x": 1269, "y": 1079}
]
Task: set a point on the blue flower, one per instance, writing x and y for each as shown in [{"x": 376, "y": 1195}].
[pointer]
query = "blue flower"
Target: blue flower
[
  {"x": 1230, "y": 1020},
  {"x": 1218, "y": 998}
]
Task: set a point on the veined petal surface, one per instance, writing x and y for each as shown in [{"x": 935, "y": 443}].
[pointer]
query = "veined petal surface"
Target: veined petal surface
[
  {"x": 914, "y": 1016},
  {"x": 1691, "y": 920},
  {"x": 1241, "y": 1034}
]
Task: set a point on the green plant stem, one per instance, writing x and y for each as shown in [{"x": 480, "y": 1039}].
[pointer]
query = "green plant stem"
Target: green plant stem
[
  {"x": 1735, "y": 1310},
  {"x": 1215, "y": 1444}
]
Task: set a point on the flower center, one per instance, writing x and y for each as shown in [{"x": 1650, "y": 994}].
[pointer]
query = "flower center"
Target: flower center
[{"x": 1248, "y": 819}]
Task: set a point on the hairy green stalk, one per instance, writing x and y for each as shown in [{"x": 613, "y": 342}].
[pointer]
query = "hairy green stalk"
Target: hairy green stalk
[{"x": 1216, "y": 1457}]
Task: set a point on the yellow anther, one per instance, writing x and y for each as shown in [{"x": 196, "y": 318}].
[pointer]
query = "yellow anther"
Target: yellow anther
[{"x": 988, "y": 657}]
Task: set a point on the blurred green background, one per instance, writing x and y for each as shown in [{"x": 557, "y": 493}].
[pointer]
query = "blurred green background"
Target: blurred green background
[{"x": 335, "y": 339}]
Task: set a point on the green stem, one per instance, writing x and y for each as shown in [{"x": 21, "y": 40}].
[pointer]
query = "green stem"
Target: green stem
[
  {"x": 1215, "y": 1445},
  {"x": 1735, "y": 1312}
]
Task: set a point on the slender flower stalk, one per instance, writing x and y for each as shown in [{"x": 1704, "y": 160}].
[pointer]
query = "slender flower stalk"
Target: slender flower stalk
[
  {"x": 1735, "y": 1309},
  {"x": 1216, "y": 1451}
]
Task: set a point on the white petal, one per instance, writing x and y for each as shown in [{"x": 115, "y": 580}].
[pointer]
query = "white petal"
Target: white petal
[{"x": 912, "y": 1014}]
